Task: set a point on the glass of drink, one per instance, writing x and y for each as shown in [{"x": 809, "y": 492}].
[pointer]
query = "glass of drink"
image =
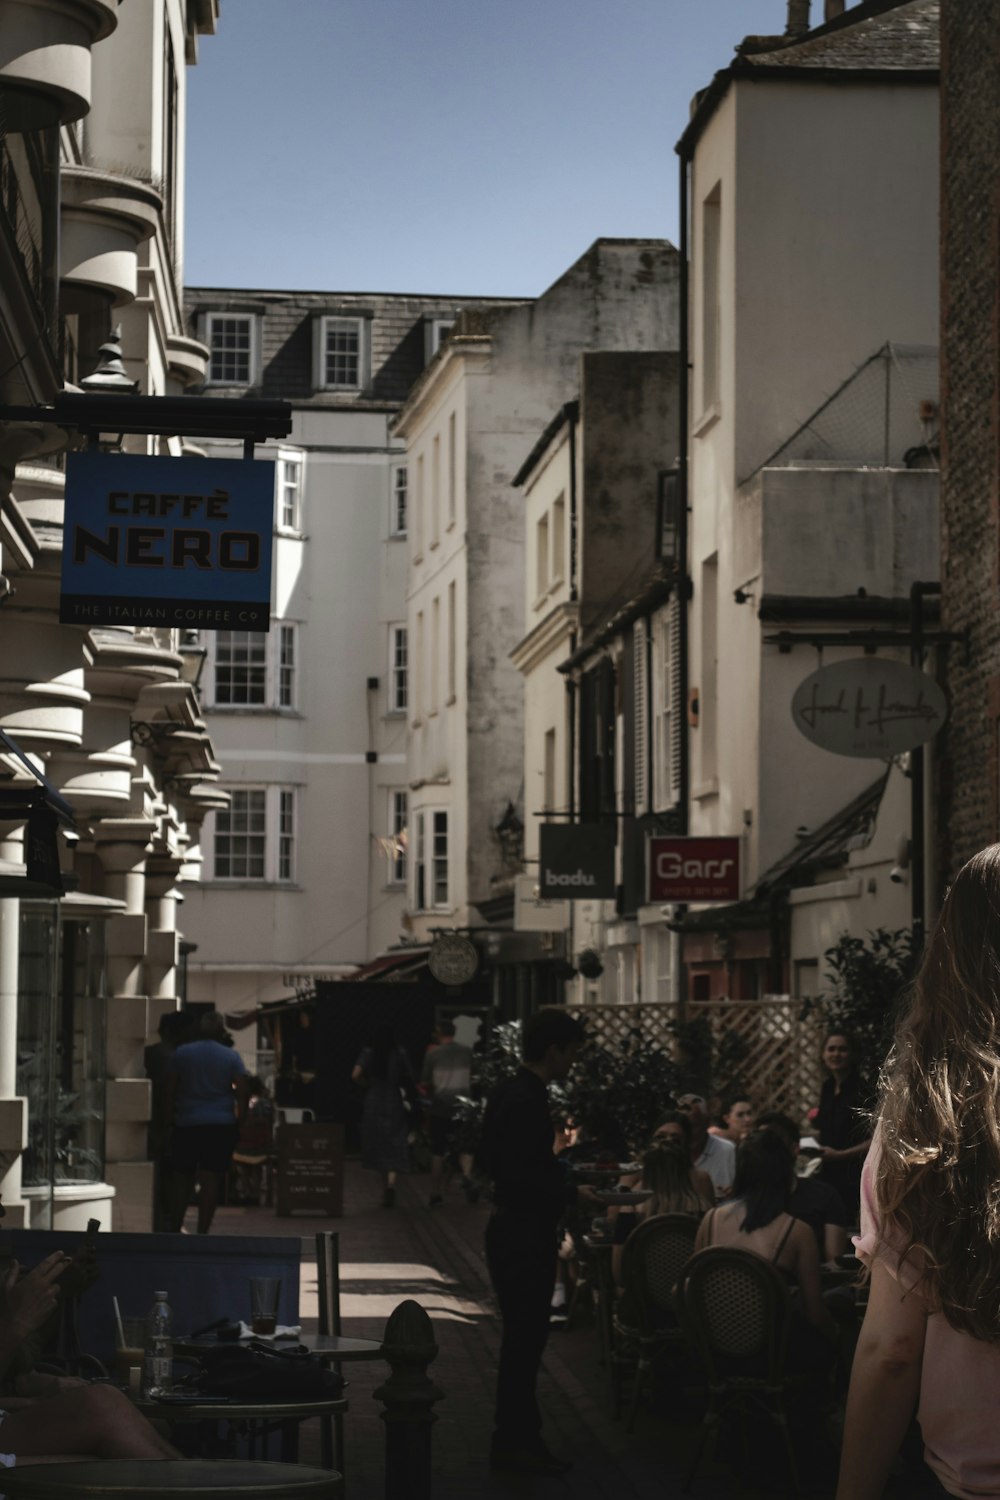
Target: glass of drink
[{"x": 264, "y": 1294}]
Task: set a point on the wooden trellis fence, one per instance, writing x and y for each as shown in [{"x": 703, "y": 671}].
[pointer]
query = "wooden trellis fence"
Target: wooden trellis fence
[{"x": 780, "y": 1066}]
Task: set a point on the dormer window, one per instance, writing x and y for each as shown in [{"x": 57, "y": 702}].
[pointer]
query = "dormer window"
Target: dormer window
[
  {"x": 342, "y": 353},
  {"x": 232, "y": 338},
  {"x": 436, "y": 330}
]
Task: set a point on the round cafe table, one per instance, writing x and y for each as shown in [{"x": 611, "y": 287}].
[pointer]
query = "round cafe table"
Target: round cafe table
[
  {"x": 170, "y": 1479},
  {"x": 261, "y": 1417}
]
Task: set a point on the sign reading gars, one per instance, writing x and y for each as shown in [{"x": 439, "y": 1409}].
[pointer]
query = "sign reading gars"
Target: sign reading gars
[
  {"x": 693, "y": 869},
  {"x": 167, "y": 541}
]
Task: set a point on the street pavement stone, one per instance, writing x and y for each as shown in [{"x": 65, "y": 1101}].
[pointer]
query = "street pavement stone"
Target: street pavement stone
[{"x": 436, "y": 1257}]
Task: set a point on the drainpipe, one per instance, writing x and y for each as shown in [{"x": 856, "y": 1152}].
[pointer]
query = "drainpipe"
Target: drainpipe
[
  {"x": 918, "y": 861},
  {"x": 683, "y": 581},
  {"x": 574, "y": 592}
]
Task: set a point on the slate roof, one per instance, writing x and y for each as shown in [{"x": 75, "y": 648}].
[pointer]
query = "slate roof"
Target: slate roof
[
  {"x": 903, "y": 39},
  {"x": 878, "y": 39},
  {"x": 398, "y": 345}
]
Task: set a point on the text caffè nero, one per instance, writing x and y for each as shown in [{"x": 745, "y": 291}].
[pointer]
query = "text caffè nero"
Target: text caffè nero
[{"x": 167, "y": 541}]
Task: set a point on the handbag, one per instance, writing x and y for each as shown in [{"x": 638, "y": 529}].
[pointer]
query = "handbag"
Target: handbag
[
  {"x": 256, "y": 1371},
  {"x": 411, "y": 1099}
]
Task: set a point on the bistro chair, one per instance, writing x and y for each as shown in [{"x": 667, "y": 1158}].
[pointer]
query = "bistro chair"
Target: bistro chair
[
  {"x": 735, "y": 1310},
  {"x": 645, "y": 1321}
]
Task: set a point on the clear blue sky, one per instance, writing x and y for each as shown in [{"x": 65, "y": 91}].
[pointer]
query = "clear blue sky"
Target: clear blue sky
[{"x": 462, "y": 146}]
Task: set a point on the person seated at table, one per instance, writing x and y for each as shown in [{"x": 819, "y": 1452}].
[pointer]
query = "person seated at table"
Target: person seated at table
[
  {"x": 58, "y": 1416},
  {"x": 813, "y": 1199},
  {"x": 709, "y": 1153},
  {"x": 734, "y": 1120},
  {"x": 758, "y": 1219},
  {"x": 675, "y": 1186}
]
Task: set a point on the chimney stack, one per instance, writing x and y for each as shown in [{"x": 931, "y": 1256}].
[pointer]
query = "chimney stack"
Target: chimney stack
[
  {"x": 798, "y": 18},
  {"x": 832, "y": 9}
]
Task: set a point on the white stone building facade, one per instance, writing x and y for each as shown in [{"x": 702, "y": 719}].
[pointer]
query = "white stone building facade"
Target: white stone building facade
[
  {"x": 306, "y": 868},
  {"x": 810, "y": 463},
  {"x": 107, "y": 714},
  {"x": 468, "y": 427}
]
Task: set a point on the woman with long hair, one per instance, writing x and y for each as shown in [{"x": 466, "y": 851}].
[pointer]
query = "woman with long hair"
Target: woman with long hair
[
  {"x": 930, "y": 1220},
  {"x": 757, "y": 1219},
  {"x": 383, "y": 1069},
  {"x": 842, "y": 1118},
  {"x": 675, "y": 1186}
]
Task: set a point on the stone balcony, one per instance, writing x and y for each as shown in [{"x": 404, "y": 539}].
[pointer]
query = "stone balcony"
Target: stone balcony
[
  {"x": 45, "y": 68},
  {"x": 105, "y": 217}
]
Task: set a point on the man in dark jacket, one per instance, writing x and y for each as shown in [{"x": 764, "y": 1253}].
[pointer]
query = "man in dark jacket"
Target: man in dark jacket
[{"x": 532, "y": 1188}]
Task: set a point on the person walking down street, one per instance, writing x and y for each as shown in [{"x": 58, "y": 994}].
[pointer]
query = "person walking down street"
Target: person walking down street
[
  {"x": 532, "y": 1188},
  {"x": 174, "y": 1029},
  {"x": 709, "y": 1153},
  {"x": 207, "y": 1097},
  {"x": 383, "y": 1069},
  {"x": 447, "y": 1077}
]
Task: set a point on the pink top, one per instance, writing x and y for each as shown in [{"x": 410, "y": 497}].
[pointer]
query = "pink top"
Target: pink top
[{"x": 959, "y": 1380}]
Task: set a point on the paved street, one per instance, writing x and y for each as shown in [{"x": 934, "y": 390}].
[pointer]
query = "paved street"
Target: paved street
[{"x": 436, "y": 1257}]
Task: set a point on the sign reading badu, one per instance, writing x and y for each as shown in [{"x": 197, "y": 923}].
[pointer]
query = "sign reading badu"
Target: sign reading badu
[
  {"x": 167, "y": 541},
  {"x": 576, "y": 861}
]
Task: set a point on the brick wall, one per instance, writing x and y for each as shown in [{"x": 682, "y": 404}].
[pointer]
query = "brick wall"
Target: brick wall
[{"x": 970, "y": 393}]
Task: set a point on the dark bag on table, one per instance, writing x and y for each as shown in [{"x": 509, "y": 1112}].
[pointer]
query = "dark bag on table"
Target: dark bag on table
[{"x": 259, "y": 1372}]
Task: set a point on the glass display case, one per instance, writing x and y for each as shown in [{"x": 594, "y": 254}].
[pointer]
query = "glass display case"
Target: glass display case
[{"x": 61, "y": 1027}]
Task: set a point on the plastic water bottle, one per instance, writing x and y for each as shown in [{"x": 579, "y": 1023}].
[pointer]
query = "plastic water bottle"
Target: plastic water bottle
[{"x": 158, "y": 1361}]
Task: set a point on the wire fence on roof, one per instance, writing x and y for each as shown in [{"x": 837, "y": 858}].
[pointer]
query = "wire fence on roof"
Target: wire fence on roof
[{"x": 885, "y": 415}]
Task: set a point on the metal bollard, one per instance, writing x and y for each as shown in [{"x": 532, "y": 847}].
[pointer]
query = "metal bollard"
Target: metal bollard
[{"x": 408, "y": 1396}]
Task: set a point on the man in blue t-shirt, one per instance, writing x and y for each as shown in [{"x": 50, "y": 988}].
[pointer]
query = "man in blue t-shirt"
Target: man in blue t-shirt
[{"x": 206, "y": 1098}]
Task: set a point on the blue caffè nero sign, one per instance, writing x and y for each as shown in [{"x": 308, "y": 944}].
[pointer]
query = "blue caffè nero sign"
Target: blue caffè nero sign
[
  {"x": 167, "y": 541},
  {"x": 869, "y": 707}
]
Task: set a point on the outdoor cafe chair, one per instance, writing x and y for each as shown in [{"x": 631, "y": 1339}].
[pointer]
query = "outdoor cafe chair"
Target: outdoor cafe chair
[
  {"x": 736, "y": 1310},
  {"x": 645, "y": 1323}
]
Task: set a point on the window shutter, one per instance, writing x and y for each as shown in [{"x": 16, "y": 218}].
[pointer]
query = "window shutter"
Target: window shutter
[
  {"x": 674, "y": 708},
  {"x": 640, "y": 702}
]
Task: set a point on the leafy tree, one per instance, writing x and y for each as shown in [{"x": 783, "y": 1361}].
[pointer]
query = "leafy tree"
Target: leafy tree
[
  {"x": 866, "y": 978},
  {"x": 618, "y": 1092}
]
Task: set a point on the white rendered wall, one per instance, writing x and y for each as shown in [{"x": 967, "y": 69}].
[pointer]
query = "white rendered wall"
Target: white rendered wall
[{"x": 827, "y": 251}]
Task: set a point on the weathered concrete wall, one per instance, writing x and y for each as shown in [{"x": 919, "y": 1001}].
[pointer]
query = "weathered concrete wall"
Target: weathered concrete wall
[{"x": 630, "y": 431}]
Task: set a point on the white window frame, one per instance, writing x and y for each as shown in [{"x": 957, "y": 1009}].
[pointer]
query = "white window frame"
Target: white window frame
[
  {"x": 557, "y": 540},
  {"x": 285, "y": 488},
  {"x": 286, "y": 636},
  {"x": 665, "y": 708},
  {"x": 277, "y": 839},
  {"x": 253, "y": 322},
  {"x": 399, "y": 693},
  {"x": 342, "y": 322},
  {"x": 436, "y": 329},
  {"x": 279, "y": 656},
  {"x": 399, "y": 812},
  {"x": 398, "y": 501},
  {"x": 431, "y": 868}
]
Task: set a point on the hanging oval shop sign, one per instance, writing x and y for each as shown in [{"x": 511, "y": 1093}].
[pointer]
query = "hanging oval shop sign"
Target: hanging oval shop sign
[{"x": 869, "y": 707}]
